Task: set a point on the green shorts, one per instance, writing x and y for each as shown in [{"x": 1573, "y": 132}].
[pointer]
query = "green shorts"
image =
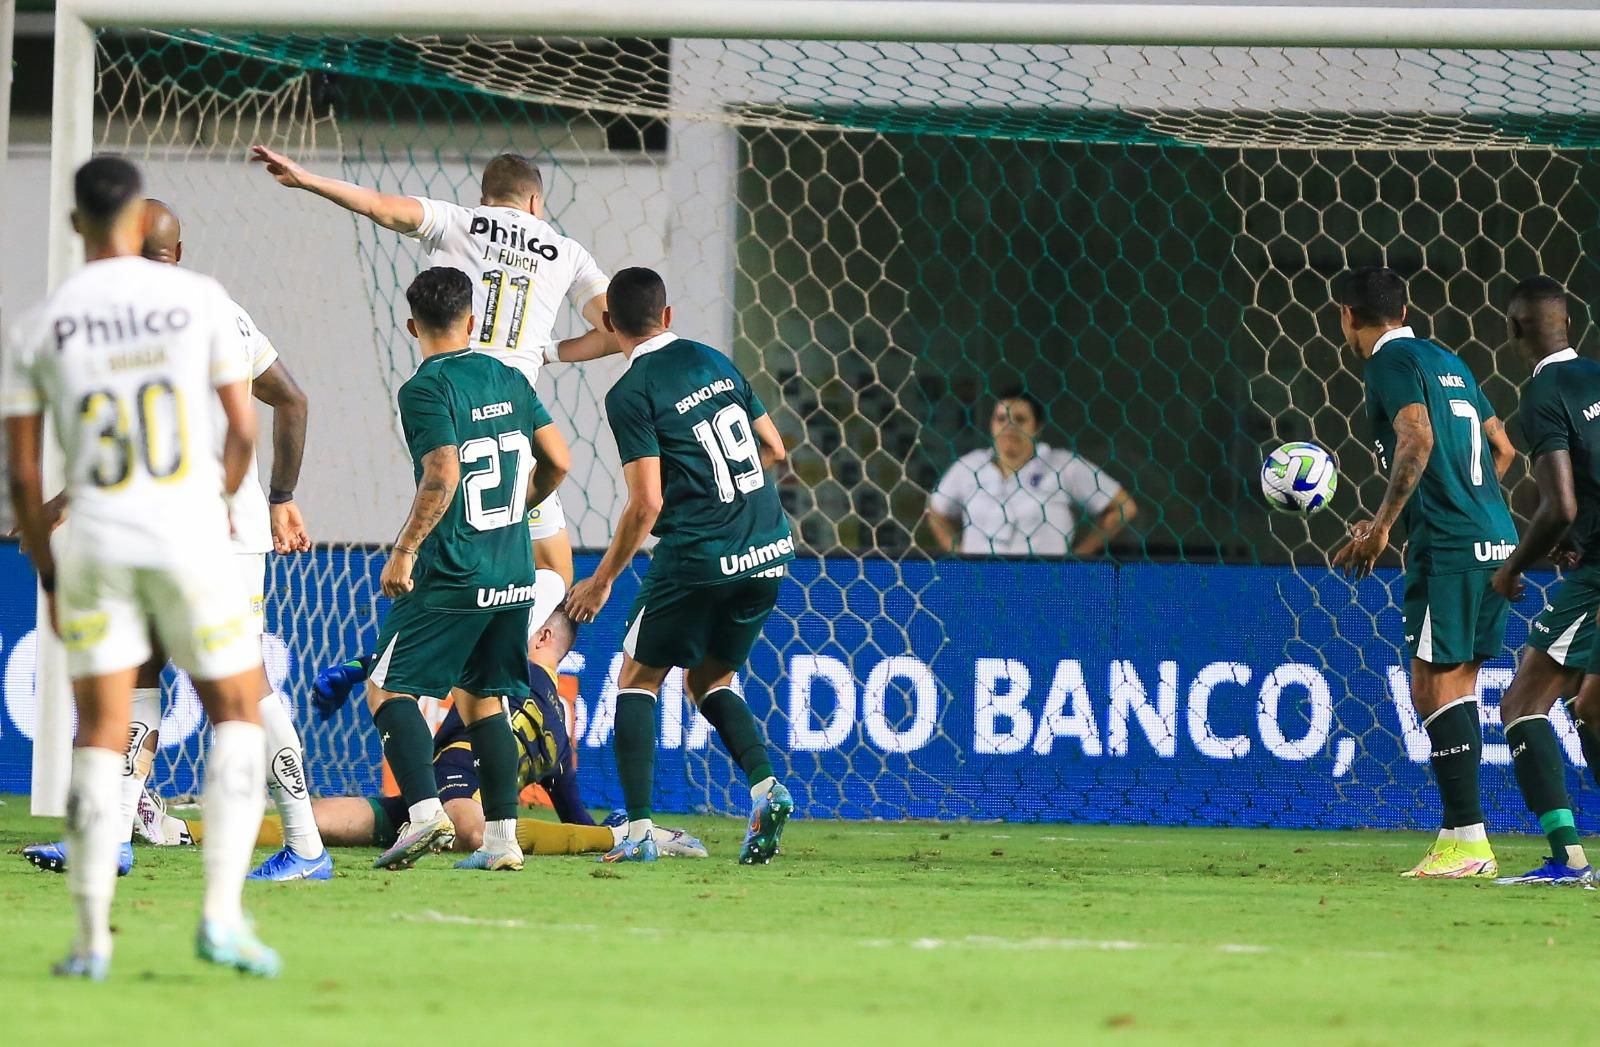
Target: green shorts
[
  {"x": 1565, "y": 629},
  {"x": 680, "y": 625},
  {"x": 1454, "y": 618},
  {"x": 423, "y": 652}
]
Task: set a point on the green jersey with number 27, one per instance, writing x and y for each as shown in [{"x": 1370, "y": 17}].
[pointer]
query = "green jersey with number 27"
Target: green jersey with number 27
[
  {"x": 478, "y": 556},
  {"x": 1456, "y": 519},
  {"x": 686, "y": 404}
]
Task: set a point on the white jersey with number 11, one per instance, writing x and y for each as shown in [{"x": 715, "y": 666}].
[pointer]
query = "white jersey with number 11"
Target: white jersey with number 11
[{"x": 521, "y": 269}]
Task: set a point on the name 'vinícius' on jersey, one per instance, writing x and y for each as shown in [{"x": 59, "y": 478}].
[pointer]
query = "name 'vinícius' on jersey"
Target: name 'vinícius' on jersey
[
  {"x": 1457, "y": 518},
  {"x": 685, "y": 403}
]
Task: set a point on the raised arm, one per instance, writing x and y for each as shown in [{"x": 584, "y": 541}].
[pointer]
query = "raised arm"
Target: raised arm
[
  {"x": 1413, "y": 446},
  {"x": 554, "y": 459},
  {"x": 403, "y": 214},
  {"x": 643, "y": 477},
  {"x": 1500, "y": 446},
  {"x": 239, "y": 439},
  {"x": 592, "y": 344},
  {"x": 1558, "y": 507},
  {"x": 276, "y": 388},
  {"x": 441, "y": 475}
]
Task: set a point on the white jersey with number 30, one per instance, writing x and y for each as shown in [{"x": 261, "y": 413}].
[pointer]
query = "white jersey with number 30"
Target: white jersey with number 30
[
  {"x": 521, "y": 269},
  {"x": 125, "y": 358}
]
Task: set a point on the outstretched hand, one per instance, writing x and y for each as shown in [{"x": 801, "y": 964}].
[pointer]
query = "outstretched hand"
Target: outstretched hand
[
  {"x": 586, "y": 598},
  {"x": 286, "y": 171},
  {"x": 1359, "y": 555},
  {"x": 289, "y": 529}
]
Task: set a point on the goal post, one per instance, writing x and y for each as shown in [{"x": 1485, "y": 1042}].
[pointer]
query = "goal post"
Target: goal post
[{"x": 889, "y": 213}]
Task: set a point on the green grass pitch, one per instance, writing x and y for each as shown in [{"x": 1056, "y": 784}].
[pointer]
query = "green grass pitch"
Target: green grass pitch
[{"x": 860, "y": 933}]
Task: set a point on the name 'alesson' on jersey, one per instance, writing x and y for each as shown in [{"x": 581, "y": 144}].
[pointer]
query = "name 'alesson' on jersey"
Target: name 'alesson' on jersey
[
  {"x": 685, "y": 403},
  {"x": 478, "y": 556},
  {"x": 1457, "y": 519},
  {"x": 521, "y": 269},
  {"x": 125, "y": 357},
  {"x": 1561, "y": 412}
]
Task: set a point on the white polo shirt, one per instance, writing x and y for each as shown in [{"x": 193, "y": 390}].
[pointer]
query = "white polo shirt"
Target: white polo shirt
[{"x": 1031, "y": 512}]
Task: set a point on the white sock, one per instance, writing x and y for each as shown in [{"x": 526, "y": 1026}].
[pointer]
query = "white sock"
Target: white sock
[
  {"x": 144, "y": 718},
  {"x": 286, "y": 779},
  {"x": 425, "y": 811},
  {"x": 1447, "y": 835},
  {"x": 619, "y": 833},
  {"x": 233, "y": 800},
  {"x": 94, "y": 835},
  {"x": 639, "y": 830},
  {"x": 758, "y": 790},
  {"x": 1575, "y": 858},
  {"x": 1472, "y": 833},
  {"x": 548, "y": 591},
  {"x": 500, "y": 835}
]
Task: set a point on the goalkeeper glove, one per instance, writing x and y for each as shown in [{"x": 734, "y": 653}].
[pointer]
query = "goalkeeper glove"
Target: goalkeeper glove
[{"x": 334, "y": 684}]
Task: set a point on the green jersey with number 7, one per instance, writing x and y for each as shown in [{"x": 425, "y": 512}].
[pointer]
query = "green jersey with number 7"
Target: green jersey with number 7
[
  {"x": 477, "y": 557},
  {"x": 1457, "y": 519},
  {"x": 686, "y": 404}
]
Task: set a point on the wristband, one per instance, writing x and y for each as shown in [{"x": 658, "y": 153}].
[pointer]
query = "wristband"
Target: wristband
[
  {"x": 279, "y": 496},
  {"x": 552, "y": 353}
]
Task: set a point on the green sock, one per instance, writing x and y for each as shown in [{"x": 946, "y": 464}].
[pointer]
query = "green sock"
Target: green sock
[
  {"x": 1562, "y": 833},
  {"x": 1536, "y": 759},
  {"x": 495, "y": 751},
  {"x": 1457, "y": 749},
  {"x": 1589, "y": 738},
  {"x": 408, "y": 746},
  {"x": 635, "y": 745},
  {"x": 727, "y": 712}
]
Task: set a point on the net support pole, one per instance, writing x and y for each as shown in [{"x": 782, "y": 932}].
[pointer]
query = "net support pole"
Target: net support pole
[{"x": 71, "y": 140}]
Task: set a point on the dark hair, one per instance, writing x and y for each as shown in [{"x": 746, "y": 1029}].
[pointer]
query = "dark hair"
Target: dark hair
[
  {"x": 1375, "y": 294},
  {"x": 511, "y": 177},
  {"x": 636, "y": 299},
  {"x": 439, "y": 297},
  {"x": 561, "y": 621},
  {"x": 105, "y": 185},
  {"x": 1016, "y": 392},
  {"x": 1539, "y": 288}
]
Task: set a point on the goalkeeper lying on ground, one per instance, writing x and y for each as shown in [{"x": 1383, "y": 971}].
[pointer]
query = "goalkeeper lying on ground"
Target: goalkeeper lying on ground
[{"x": 546, "y": 760}]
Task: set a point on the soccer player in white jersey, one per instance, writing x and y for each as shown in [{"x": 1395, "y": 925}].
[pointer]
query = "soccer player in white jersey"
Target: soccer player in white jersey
[
  {"x": 521, "y": 269},
  {"x": 257, "y": 530},
  {"x": 131, "y": 360}
]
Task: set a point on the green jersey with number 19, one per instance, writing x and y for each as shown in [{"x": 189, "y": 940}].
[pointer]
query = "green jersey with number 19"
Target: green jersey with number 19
[
  {"x": 686, "y": 404},
  {"x": 478, "y": 556},
  {"x": 1456, "y": 519}
]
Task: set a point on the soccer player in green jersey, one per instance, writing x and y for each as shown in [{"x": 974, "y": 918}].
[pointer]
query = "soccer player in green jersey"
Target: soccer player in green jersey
[
  {"x": 461, "y": 573},
  {"x": 1562, "y": 424},
  {"x": 696, "y": 444},
  {"x": 1444, "y": 450}
]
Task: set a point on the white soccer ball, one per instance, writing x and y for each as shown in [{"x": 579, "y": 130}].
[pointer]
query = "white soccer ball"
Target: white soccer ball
[{"x": 1299, "y": 477}]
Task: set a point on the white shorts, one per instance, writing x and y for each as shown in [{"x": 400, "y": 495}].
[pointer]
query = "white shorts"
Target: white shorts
[
  {"x": 199, "y": 611},
  {"x": 547, "y": 520},
  {"x": 253, "y": 579}
]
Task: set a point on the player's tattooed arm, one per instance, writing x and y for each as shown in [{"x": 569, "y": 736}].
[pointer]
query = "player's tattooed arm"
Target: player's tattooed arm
[
  {"x": 277, "y": 389},
  {"x": 403, "y": 214},
  {"x": 1499, "y": 446},
  {"x": 1558, "y": 507},
  {"x": 1413, "y": 446},
  {"x": 441, "y": 475}
]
